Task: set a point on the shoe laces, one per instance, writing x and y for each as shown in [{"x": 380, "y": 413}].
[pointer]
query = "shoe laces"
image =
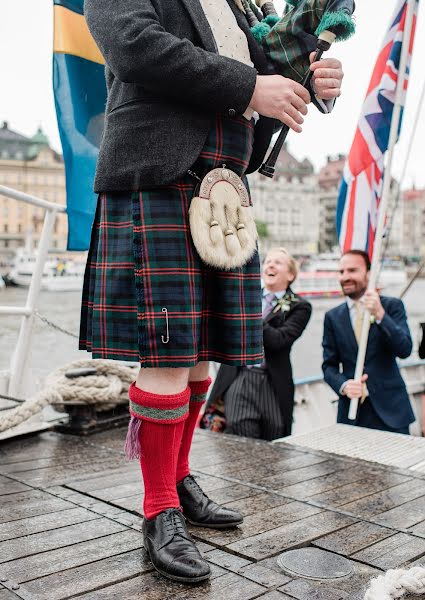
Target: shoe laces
[
  {"x": 193, "y": 483},
  {"x": 176, "y": 524}
]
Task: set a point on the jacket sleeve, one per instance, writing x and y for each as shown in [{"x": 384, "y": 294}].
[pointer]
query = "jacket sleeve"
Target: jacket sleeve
[
  {"x": 280, "y": 338},
  {"x": 139, "y": 50},
  {"x": 395, "y": 329},
  {"x": 331, "y": 357}
]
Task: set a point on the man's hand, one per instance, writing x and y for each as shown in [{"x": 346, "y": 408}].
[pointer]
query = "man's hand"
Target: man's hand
[
  {"x": 354, "y": 388},
  {"x": 327, "y": 77},
  {"x": 373, "y": 304},
  {"x": 280, "y": 98}
]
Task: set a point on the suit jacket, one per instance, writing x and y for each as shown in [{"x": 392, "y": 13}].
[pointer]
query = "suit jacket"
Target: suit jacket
[
  {"x": 387, "y": 340},
  {"x": 166, "y": 81},
  {"x": 280, "y": 331}
]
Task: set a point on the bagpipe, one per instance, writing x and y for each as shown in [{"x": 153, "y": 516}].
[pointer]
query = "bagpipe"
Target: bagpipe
[{"x": 306, "y": 26}]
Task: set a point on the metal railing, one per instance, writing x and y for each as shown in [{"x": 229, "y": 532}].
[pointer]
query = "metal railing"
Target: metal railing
[{"x": 20, "y": 355}]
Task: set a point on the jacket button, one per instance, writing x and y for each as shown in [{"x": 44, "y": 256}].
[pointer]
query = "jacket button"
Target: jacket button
[{"x": 232, "y": 112}]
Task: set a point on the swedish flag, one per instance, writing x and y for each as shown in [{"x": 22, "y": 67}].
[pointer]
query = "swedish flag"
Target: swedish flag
[{"x": 80, "y": 98}]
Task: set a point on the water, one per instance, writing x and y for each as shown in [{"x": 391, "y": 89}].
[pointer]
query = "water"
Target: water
[{"x": 51, "y": 349}]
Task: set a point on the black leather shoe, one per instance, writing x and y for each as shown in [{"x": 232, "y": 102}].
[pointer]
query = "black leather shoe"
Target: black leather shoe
[
  {"x": 171, "y": 549},
  {"x": 201, "y": 511}
]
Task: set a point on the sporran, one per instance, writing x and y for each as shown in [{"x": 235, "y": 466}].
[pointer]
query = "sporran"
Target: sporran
[{"x": 221, "y": 220}]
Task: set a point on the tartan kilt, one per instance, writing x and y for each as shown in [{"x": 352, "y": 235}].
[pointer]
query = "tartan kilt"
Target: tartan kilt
[{"x": 147, "y": 295}]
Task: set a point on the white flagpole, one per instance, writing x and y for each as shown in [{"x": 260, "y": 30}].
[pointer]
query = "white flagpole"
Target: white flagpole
[{"x": 376, "y": 257}]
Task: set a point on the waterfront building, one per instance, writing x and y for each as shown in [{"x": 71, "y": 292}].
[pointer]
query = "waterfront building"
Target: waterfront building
[
  {"x": 413, "y": 205},
  {"x": 286, "y": 207},
  {"x": 30, "y": 165}
]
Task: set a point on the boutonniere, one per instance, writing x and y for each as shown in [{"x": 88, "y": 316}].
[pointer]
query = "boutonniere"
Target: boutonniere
[
  {"x": 372, "y": 319},
  {"x": 284, "y": 304}
]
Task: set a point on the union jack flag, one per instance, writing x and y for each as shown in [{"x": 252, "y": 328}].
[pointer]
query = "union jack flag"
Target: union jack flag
[{"x": 361, "y": 186}]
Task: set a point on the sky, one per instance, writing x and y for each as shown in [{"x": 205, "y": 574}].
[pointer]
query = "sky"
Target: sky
[{"x": 26, "y": 99}]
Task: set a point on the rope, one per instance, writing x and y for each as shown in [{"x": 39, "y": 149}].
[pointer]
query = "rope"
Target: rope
[
  {"x": 397, "y": 582},
  {"x": 107, "y": 389}
]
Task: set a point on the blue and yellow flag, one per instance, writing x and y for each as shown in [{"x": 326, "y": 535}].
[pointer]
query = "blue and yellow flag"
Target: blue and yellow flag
[{"x": 80, "y": 98}]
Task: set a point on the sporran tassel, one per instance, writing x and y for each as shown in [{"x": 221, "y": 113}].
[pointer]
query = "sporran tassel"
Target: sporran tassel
[{"x": 132, "y": 441}]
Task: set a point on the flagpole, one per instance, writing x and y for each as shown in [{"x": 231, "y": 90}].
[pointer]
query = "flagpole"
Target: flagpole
[{"x": 376, "y": 257}]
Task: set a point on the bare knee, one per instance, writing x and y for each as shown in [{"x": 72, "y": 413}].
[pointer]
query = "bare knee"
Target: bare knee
[
  {"x": 200, "y": 371},
  {"x": 163, "y": 380}
]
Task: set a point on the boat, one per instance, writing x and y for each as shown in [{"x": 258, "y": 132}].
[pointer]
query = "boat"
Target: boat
[
  {"x": 319, "y": 276},
  {"x": 58, "y": 274}
]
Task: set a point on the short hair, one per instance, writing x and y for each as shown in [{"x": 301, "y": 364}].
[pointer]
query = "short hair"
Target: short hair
[
  {"x": 292, "y": 263},
  {"x": 361, "y": 253}
]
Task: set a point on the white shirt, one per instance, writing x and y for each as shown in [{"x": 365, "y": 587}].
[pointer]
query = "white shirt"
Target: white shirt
[{"x": 229, "y": 37}]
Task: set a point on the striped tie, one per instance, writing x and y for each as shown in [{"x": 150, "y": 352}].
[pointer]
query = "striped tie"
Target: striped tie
[
  {"x": 358, "y": 321},
  {"x": 268, "y": 304},
  {"x": 358, "y": 326}
]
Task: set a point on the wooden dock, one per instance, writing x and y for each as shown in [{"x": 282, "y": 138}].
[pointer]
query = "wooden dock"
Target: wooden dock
[{"x": 70, "y": 520}]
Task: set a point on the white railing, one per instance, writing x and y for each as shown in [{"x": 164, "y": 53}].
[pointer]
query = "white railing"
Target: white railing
[{"x": 15, "y": 375}]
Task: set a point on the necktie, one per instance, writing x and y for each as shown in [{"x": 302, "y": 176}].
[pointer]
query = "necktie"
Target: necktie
[
  {"x": 268, "y": 304},
  {"x": 358, "y": 321},
  {"x": 358, "y": 326}
]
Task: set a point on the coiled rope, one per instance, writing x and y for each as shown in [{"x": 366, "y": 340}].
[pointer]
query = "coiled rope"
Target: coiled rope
[
  {"x": 107, "y": 389},
  {"x": 397, "y": 582}
]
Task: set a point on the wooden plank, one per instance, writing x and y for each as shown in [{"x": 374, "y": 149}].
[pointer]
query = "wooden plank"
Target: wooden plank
[
  {"x": 84, "y": 578},
  {"x": 359, "y": 489},
  {"x": 223, "y": 588},
  {"x": 58, "y": 538},
  {"x": 61, "y": 559},
  {"x": 128, "y": 474},
  {"x": 131, "y": 503},
  {"x": 248, "y": 506},
  {"x": 309, "y": 488},
  {"x": 30, "y": 504},
  {"x": 418, "y": 529},
  {"x": 302, "y": 474},
  {"x": 228, "y": 561},
  {"x": 289, "y": 536},
  {"x": 10, "y": 486},
  {"x": 387, "y": 499},
  {"x": 234, "y": 492},
  {"x": 66, "y": 473},
  {"x": 354, "y": 538},
  {"x": 404, "y": 516},
  {"x": 392, "y": 552},
  {"x": 119, "y": 491},
  {"x": 280, "y": 466},
  {"x": 24, "y": 527},
  {"x": 276, "y": 595},
  {"x": 149, "y": 586},
  {"x": 7, "y": 595},
  {"x": 263, "y": 520}
]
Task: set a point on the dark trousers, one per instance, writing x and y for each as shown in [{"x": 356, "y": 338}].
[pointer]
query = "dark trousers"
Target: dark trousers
[
  {"x": 367, "y": 417},
  {"x": 251, "y": 407}
]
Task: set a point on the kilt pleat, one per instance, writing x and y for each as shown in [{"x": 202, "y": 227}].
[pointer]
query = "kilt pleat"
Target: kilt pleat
[{"x": 147, "y": 295}]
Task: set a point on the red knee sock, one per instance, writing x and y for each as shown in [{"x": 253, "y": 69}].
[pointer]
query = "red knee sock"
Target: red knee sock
[
  {"x": 199, "y": 391},
  {"x": 160, "y": 420}
]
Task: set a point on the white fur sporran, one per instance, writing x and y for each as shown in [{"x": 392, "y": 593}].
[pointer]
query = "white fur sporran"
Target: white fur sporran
[{"x": 221, "y": 221}]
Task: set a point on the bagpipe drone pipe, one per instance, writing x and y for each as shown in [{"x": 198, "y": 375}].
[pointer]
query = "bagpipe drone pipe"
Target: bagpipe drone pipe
[{"x": 306, "y": 26}]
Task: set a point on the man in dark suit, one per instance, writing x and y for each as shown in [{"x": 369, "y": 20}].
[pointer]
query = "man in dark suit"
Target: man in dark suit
[
  {"x": 259, "y": 400},
  {"x": 384, "y": 400}
]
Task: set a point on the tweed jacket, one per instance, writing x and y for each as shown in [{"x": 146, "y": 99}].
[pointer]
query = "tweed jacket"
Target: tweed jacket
[
  {"x": 387, "y": 340},
  {"x": 280, "y": 331},
  {"x": 165, "y": 83}
]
